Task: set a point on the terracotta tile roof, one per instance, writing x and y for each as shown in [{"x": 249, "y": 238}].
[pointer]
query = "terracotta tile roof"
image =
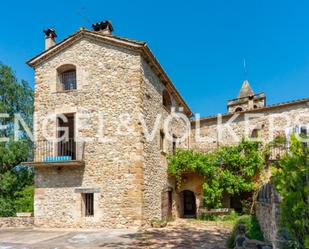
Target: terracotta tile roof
[{"x": 261, "y": 109}]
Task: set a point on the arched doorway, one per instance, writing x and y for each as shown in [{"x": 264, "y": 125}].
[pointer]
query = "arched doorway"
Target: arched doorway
[{"x": 189, "y": 204}]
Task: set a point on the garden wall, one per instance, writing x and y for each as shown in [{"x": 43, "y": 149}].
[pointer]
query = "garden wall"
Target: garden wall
[
  {"x": 8, "y": 222},
  {"x": 268, "y": 213}
]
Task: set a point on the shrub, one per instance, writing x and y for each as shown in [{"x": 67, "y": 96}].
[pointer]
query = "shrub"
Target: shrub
[
  {"x": 6, "y": 207},
  {"x": 24, "y": 200},
  {"x": 286, "y": 241},
  {"x": 253, "y": 229},
  {"x": 291, "y": 180},
  {"x": 209, "y": 217},
  {"x": 233, "y": 216},
  {"x": 16, "y": 191}
]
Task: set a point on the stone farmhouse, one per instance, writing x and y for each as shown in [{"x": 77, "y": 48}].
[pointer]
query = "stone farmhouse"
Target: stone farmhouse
[{"x": 83, "y": 86}]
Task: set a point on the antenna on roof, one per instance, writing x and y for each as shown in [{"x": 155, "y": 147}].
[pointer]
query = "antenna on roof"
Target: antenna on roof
[{"x": 245, "y": 69}]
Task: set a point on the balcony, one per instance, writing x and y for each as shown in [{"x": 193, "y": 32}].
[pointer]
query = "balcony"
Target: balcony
[
  {"x": 64, "y": 153},
  {"x": 276, "y": 152}
]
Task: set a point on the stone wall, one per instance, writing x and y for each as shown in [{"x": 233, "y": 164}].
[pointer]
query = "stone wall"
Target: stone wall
[
  {"x": 269, "y": 123},
  {"x": 108, "y": 83},
  {"x": 155, "y": 160},
  {"x": 128, "y": 171},
  {"x": 268, "y": 212},
  {"x": 192, "y": 182},
  {"x": 11, "y": 222}
]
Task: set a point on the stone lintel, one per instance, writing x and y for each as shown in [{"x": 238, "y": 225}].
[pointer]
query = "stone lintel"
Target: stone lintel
[{"x": 87, "y": 190}]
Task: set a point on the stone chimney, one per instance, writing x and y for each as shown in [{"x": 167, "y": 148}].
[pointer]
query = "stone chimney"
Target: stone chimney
[
  {"x": 50, "y": 38},
  {"x": 105, "y": 28}
]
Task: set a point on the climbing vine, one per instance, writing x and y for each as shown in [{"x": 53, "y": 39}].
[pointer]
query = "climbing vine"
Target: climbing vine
[{"x": 230, "y": 169}]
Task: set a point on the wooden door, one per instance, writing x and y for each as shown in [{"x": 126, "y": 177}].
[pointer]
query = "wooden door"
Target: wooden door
[{"x": 167, "y": 204}]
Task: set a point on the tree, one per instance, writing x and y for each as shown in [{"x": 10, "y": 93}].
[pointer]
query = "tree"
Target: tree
[
  {"x": 291, "y": 181},
  {"x": 16, "y": 97},
  {"x": 16, "y": 191}
]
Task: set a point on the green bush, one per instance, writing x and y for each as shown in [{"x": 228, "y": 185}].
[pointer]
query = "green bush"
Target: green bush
[
  {"x": 233, "y": 216},
  {"x": 291, "y": 180},
  {"x": 209, "y": 217},
  {"x": 287, "y": 241},
  {"x": 16, "y": 191},
  {"x": 24, "y": 200},
  {"x": 6, "y": 207},
  {"x": 253, "y": 229}
]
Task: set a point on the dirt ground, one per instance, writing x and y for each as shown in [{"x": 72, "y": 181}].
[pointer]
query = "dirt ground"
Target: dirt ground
[
  {"x": 186, "y": 234},
  {"x": 179, "y": 234}
]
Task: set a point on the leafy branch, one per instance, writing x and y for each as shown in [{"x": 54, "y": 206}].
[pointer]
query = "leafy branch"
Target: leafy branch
[{"x": 230, "y": 169}]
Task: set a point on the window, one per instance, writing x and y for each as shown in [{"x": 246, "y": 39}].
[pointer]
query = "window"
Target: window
[
  {"x": 174, "y": 144},
  {"x": 162, "y": 140},
  {"x": 167, "y": 102},
  {"x": 238, "y": 109},
  {"x": 304, "y": 135},
  {"x": 68, "y": 80},
  {"x": 255, "y": 133},
  {"x": 66, "y": 135},
  {"x": 88, "y": 204},
  {"x": 302, "y": 131},
  {"x": 67, "y": 77}
]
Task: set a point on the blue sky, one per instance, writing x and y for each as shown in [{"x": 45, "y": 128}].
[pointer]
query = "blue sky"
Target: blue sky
[{"x": 201, "y": 44}]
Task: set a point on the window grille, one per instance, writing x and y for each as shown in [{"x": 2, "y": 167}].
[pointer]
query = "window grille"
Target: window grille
[
  {"x": 68, "y": 80},
  {"x": 88, "y": 202}
]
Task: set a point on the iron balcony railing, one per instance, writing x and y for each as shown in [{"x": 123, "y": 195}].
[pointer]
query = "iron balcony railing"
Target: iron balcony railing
[
  {"x": 276, "y": 152},
  {"x": 66, "y": 150}
]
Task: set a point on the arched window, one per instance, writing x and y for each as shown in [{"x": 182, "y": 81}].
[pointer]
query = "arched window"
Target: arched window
[
  {"x": 167, "y": 102},
  {"x": 255, "y": 106},
  {"x": 67, "y": 77},
  {"x": 238, "y": 109},
  {"x": 255, "y": 133}
]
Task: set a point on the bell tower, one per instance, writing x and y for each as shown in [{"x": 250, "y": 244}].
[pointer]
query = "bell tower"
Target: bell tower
[{"x": 246, "y": 100}]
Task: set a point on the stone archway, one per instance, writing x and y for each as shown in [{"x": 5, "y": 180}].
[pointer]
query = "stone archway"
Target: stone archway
[{"x": 188, "y": 203}]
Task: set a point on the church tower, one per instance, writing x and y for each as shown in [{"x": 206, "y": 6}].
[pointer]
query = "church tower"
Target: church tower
[{"x": 246, "y": 100}]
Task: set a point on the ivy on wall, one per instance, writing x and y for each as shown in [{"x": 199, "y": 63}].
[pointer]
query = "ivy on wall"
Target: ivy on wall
[{"x": 230, "y": 169}]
